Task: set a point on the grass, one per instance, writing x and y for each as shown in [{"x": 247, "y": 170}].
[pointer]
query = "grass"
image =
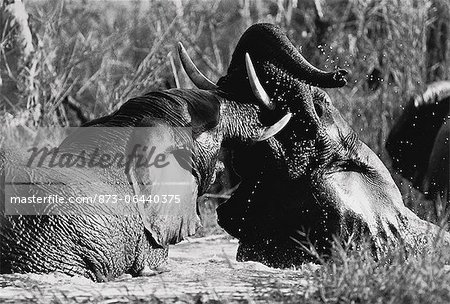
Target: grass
[{"x": 355, "y": 277}]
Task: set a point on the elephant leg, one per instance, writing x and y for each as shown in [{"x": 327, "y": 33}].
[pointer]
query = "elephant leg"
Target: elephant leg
[
  {"x": 148, "y": 257},
  {"x": 96, "y": 269},
  {"x": 155, "y": 258}
]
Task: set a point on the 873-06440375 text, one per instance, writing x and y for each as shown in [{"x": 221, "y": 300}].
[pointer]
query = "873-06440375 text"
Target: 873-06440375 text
[{"x": 97, "y": 198}]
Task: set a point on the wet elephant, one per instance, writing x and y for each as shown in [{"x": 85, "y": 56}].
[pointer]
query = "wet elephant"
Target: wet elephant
[
  {"x": 419, "y": 144},
  {"x": 315, "y": 179},
  {"x": 123, "y": 229}
]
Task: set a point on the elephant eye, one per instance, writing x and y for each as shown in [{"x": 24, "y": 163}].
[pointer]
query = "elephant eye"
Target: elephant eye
[
  {"x": 352, "y": 165},
  {"x": 355, "y": 165},
  {"x": 352, "y": 161}
]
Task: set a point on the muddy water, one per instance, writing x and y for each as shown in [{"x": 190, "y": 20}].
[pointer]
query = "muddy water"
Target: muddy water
[{"x": 198, "y": 270}]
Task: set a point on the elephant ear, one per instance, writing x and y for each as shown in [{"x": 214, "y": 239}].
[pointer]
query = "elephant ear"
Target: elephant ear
[{"x": 165, "y": 190}]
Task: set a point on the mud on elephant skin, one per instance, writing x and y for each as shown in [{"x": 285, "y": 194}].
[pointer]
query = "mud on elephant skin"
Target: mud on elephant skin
[
  {"x": 102, "y": 242},
  {"x": 315, "y": 179}
]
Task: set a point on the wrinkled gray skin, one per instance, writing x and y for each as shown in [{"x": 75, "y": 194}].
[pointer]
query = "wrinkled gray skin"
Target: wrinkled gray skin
[
  {"x": 313, "y": 180},
  {"x": 419, "y": 144},
  {"x": 102, "y": 242}
]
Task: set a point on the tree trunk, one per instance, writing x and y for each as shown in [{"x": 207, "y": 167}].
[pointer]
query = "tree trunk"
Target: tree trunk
[
  {"x": 16, "y": 51},
  {"x": 438, "y": 42}
]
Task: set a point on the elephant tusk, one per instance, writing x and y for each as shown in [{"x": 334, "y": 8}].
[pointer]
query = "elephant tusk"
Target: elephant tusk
[
  {"x": 275, "y": 128},
  {"x": 257, "y": 88},
  {"x": 193, "y": 72}
]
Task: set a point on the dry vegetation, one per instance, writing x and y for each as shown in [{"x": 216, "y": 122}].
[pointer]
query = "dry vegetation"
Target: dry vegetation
[{"x": 91, "y": 56}]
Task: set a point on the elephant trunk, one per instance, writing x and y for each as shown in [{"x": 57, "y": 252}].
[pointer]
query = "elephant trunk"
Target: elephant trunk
[{"x": 267, "y": 44}]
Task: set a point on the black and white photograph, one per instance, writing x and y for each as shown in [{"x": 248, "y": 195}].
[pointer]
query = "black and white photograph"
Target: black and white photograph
[{"x": 224, "y": 151}]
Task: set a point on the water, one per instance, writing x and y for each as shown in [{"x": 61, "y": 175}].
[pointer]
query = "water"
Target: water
[{"x": 198, "y": 270}]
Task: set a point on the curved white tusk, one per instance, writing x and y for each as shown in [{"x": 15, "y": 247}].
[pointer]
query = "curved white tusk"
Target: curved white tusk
[
  {"x": 275, "y": 128},
  {"x": 194, "y": 74},
  {"x": 257, "y": 88}
]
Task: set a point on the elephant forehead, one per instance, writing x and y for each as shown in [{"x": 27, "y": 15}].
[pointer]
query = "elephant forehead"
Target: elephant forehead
[
  {"x": 321, "y": 121},
  {"x": 303, "y": 143}
]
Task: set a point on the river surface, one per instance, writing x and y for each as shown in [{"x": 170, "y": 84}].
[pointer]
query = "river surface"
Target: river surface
[{"x": 201, "y": 270}]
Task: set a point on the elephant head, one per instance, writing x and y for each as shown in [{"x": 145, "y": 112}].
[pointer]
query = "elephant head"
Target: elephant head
[
  {"x": 313, "y": 180},
  {"x": 419, "y": 143}
]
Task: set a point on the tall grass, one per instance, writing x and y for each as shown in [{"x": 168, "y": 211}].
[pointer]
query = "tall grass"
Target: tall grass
[
  {"x": 388, "y": 37},
  {"x": 355, "y": 276}
]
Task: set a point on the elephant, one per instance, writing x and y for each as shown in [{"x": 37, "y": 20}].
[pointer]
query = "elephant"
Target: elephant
[
  {"x": 105, "y": 239},
  {"x": 418, "y": 144},
  {"x": 314, "y": 180},
  {"x": 274, "y": 117}
]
